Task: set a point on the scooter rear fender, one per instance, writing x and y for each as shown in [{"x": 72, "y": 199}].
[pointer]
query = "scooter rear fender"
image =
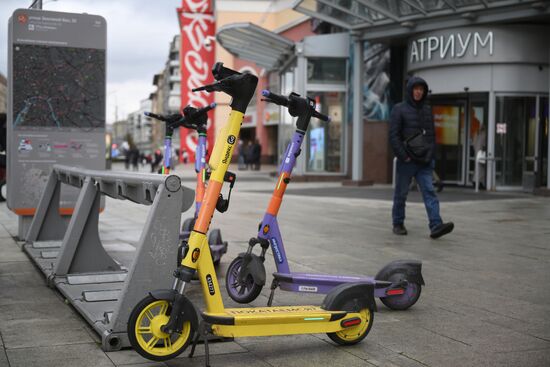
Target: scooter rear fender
[
  {"x": 411, "y": 268},
  {"x": 339, "y": 295},
  {"x": 255, "y": 268}
]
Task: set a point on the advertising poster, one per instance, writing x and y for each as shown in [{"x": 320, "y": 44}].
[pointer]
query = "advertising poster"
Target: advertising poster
[
  {"x": 447, "y": 124},
  {"x": 316, "y": 149},
  {"x": 376, "y": 91},
  {"x": 197, "y": 57}
]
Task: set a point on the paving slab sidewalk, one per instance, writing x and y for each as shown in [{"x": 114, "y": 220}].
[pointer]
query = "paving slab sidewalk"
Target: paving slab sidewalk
[{"x": 485, "y": 302}]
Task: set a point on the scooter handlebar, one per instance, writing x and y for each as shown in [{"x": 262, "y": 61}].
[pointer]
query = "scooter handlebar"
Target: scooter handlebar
[
  {"x": 154, "y": 115},
  {"x": 200, "y": 111},
  {"x": 275, "y": 98},
  {"x": 286, "y": 101},
  {"x": 321, "y": 116},
  {"x": 166, "y": 118}
]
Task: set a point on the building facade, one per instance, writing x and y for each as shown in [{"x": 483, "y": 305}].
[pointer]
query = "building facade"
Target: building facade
[
  {"x": 140, "y": 127},
  {"x": 166, "y": 97},
  {"x": 486, "y": 64}
]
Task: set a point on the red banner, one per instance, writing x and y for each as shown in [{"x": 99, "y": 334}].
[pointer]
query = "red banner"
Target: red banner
[{"x": 197, "y": 57}]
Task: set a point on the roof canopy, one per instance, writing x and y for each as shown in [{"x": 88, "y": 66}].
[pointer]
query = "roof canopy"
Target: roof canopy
[
  {"x": 377, "y": 19},
  {"x": 251, "y": 42}
]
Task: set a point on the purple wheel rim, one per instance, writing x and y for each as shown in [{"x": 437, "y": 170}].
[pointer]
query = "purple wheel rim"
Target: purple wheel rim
[{"x": 236, "y": 288}]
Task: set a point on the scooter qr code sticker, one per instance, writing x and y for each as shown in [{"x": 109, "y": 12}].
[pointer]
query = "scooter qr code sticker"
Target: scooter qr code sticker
[{"x": 304, "y": 288}]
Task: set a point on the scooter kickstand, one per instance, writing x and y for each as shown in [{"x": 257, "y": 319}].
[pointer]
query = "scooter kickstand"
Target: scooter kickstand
[
  {"x": 274, "y": 285},
  {"x": 195, "y": 341},
  {"x": 204, "y": 330}
]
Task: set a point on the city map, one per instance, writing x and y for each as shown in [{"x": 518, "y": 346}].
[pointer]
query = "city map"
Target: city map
[{"x": 58, "y": 87}]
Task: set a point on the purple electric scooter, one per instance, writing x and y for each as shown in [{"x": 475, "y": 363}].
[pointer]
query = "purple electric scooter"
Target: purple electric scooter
[
  {"x": 398, "y": 284},
  {"x": 194, "y": 119}
]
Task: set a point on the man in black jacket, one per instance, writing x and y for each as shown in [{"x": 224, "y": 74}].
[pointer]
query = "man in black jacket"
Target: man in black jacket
[{"x": 408, "y": 118}]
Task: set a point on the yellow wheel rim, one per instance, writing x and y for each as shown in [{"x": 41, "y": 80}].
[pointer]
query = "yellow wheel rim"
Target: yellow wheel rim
[
  {"x": 148, "y": 330},
  {"x": 353, "y": 333}
]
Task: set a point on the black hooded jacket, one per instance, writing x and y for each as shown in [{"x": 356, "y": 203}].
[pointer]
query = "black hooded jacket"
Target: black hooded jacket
[{"x": 409, "y": 117}]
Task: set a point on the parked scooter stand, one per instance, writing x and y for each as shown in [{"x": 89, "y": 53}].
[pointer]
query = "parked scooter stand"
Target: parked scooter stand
[
  {"x": 398, "y": 284},
  {"x": 194, "y": 119},
  {"x": 163, "y": 324}
]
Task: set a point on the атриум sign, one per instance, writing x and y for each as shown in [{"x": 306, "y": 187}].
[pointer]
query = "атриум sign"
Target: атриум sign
[{"x": 454, "y": 45}]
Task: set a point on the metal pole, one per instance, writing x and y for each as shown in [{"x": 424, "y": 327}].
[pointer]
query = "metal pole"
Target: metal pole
[
  {"x": 476, "y": 172},
  {"x": 358, "y": 128},
  {"x": 38, "y": 5},
  {"x": 491, "y": 169}
]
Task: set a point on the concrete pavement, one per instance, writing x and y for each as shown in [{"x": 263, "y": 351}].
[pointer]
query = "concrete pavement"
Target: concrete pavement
[{"x": 485, "y": 302}]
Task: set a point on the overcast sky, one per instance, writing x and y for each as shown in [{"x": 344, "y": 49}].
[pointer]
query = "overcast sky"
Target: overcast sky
[{"x": 138, "y": 38}]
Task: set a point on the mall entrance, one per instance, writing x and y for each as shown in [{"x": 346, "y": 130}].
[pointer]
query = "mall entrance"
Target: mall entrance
[
  {"x": 461, "y": 131},
  {"x": 521, "y": 141}
]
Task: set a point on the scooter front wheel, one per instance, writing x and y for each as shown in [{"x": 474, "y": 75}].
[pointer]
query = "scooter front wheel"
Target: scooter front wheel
[
  {"x": 355, "y": 334},
  {"x": 407, "y": 299},
  {"x": 146, "y": 336},
  {"x": 241, "y": 291}
]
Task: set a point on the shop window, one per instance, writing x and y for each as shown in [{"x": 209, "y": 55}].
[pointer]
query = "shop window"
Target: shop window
[
  {"x": 324, "y": 140},
  {"x": 326, "y": 71}
]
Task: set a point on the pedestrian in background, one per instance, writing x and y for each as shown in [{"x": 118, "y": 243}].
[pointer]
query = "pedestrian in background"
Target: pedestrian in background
[
  {"x": 241, "y": 159},
  {"x": 256, "y": 155},
  {"x": 412, "y": 138},
  {"x": 248, "y": 155},
  {"x": 134, "y": 157},
  {"x": 157, "y": 159}
]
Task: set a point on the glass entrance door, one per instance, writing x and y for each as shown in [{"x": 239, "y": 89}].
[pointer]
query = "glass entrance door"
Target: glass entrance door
[
  {"x": 449, "y": 135},
  {"x": 477, "y": 137},
  {"x": 515, "y": 140}
]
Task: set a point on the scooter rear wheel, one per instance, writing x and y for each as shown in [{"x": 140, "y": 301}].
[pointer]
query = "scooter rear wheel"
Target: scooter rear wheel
[
  {"x": 355, "y": 334},
  {"x": 242, "y": 292},
  {"x": 403, "y": 301},
  {"x": 146, "y": 336}
]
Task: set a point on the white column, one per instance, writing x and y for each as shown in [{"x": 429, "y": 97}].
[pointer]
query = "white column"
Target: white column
[
  {"x": 491, "y": 171},
  {"x": 357, "y": 131},
  {"x": 300, "y": 87}
]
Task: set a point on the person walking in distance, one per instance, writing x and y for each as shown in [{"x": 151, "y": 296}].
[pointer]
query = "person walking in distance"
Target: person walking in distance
[
  {"x": 256, "y": 155},
  {"x": 412, "y": 138}
]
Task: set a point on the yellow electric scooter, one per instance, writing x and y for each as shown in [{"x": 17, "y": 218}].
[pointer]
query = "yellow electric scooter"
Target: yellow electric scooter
[{"x": 163, "y": 324}]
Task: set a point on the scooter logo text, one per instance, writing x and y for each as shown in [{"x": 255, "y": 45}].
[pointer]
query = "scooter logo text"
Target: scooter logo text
[
  {"x": 210, "y": 284},
  {"x": 276, "y": 250},
  {"x": 227, "y": 154},
  {"x": 195, "y": 255}
]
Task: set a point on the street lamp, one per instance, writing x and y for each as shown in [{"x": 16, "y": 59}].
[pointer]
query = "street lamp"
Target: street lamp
[{"x": 37, "y": 4}]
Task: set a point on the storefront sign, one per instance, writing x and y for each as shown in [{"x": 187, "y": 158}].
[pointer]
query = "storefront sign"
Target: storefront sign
[
  {"x": 272, "y": 114},
  {"x": 451, "y": 46},
  {"x": 249, "y": 119},
  {"x": 197, "y": 56},
  {"x": 510, "y": 44}
]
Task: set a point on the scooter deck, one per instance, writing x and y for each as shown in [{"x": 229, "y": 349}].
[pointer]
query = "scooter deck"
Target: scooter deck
[
  {"x": 283, "y": 320},
  {"x": 317, "y": 283}
]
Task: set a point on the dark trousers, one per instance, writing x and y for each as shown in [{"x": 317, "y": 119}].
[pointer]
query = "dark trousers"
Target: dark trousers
[{"x": 423, "y": 175}]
